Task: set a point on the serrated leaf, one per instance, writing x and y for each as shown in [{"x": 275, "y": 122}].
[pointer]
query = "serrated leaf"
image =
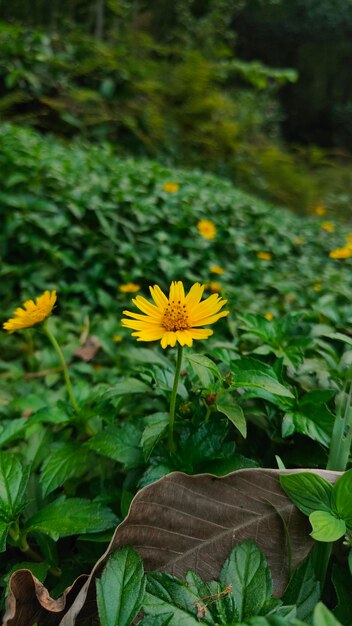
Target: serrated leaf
[
  {"x": 342, "y": 497},
  {"x": 154, "y": 430},
  {"x": 234, "y": 413},
  {"x": 66, "y": 460},
  {"x": 120, "y": 442},
  {"x": 167, "y": 594},
  {"x": 251, "y": 379},
  {"x": 120, "y": 590},
  {"x": 71, "y": 516},
  {"x": 204, "y": 368},
  {"x": 326, "y": 527},
  {"x": 308, "y": 491},
  {"x": 251, "y": 586},
  {"x": 13, "y": 481}
]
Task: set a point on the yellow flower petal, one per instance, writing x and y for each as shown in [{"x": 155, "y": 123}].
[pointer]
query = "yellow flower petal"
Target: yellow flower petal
[
  {"x": 177, "y": 318},
  {"x": 32, "y": 313}
]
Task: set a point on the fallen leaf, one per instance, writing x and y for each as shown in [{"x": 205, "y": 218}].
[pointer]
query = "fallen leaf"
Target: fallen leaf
[{"x": 89, "y": 349}]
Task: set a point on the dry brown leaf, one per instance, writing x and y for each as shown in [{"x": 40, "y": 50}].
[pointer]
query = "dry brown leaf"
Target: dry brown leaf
[
  {"x": 186, "y": 522},
  {"x": 89, "y": 349}
]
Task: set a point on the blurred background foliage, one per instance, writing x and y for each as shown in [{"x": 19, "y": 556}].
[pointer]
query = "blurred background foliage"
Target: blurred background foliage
[{"x": 255, "y": 91}]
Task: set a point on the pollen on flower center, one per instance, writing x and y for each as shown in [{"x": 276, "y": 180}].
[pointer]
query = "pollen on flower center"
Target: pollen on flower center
[{"x": 175, "y": 317}]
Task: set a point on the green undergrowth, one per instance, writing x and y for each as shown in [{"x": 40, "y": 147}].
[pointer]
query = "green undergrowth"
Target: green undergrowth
[{"x": 262, "y": 391}]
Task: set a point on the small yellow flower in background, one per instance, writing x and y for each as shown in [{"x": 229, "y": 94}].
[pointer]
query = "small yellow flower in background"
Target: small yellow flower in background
[
  {"x": 216, "y": 269},
  {"x": 32, "y": 312},
  {"x": 117, "y": 338},
  {"x": 341, "y": 253},
  {"x": 317, "y": 287},
  {"x": 129, "y": 288},
  {"x": 176, "y": 318},
  {"x": 264, "y": 256},
  {"x": 269, "y": 316},
  {"x": 215, "y": 287},
  {"x": 299, "y": 241},
  {"x": 328, "y": 226},
  {"x": 349, "y": 241},
  {"x": 171, "y": 187},
  {"x": 320, "y": 210},
  {"x": 207, "y": 229}
]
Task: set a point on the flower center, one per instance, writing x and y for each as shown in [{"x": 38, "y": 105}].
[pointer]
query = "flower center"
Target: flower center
[{"x": 175, "y": 317}]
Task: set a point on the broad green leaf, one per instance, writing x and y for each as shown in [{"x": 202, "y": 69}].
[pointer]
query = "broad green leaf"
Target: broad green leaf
[
  {"x": 120, "y": 590},
  {"x": 167, "y": 595},
  {"x": 154, "y": 430},
  {"x": 323, "y": 617},
  {"x": 308, "y": 491},
  {"x": 233, "y": 412},
  {"x": 250, "y": 379},
  {"x": 13, "y": 481},
  {"x": 157, "y": 620},
  {"x": 303, "y": 590},
  {"x": 326, "y": 527},
  {"x": 342, "y": 497},
  {"x": 4, "y": 528},
  {"x": 339, "y": 337},
  {"x": 247, "y": 571},
  {"x": 120, "y": 442},
  {"x": 127, "y": 386},
  {"x": 204, "y": 368},
  {"x": 151, "y": 357},
  {"x": 71, "y": 516},
  {"x": 65, "y": 460},
  {"x": 12, "y": 429},
  {"x": 313, "y": 420},
  {"x": 342, "y": 581}
]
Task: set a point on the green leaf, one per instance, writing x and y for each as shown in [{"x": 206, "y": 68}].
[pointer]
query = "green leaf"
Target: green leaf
[
  {"x": 342, "y": 497},
  {"x": 13, "y": 483},
  {"x": 303, "y": 590},
  {"x": 250, "y": 379},
  {"x": 308, "y": 491},
  {"x": 4, "y": 528},
  {"x": 66, "y": 460},
  {"x": 12, "y": 429},
  {"x": 313, "y": 420},
  {"x": 247, "y": 571},
  {"x": 167, "y": 595},
  {"x": 120, "y": 590},
  {"x": 157, "y": 424},
  {"x": 204, "y": 368},
  {"x": 342, "y": 580},
  {"x": 71, "y": 516},
  {"x": 323, "y": 617},
  {"x": 233, "y": 412},
  {"x": 120, "y": 442},
  {"x": 127, "y": 386},
  {"x": 326, "y": 527}
]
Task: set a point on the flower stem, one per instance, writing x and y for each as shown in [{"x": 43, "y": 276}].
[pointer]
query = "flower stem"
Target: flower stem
[
  {"x": 173, "y": 398},
  {"x": 339, "y": 452},
  {"x": 59, "y": 353}
]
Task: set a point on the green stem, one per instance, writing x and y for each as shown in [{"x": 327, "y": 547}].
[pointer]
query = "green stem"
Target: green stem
[
  {"x": 339, "y": 452},
  {"x": 61, "y": 357},
  {"x": 340, "y": 445},
  {"x": 173, "y": 398}
]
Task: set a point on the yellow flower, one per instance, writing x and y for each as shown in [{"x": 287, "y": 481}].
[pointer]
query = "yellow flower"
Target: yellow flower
[
  {"x": 129, "y": 288},
  {"x": 207, "y": 229},
  {"x": 117, "y": 338},
  {"x": 349, "y": 241},
  {"x": 176, "y": 318},
  {"x": 317, "y": 287},
  {"x": 32, "y": 312},
  {"x": 215, "y": 287},
  {"x": 341, "y": 253},
  {"x": 299, "y": 241},
  {"x": 264, "y": 256},
  {"x": 328, "y": 226},
  {"x": 171, "y": 187},
  {"x": 216, "y": 269},
  {"x": 269, "y": 316},
  {"x": 320, "y": 210}
]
